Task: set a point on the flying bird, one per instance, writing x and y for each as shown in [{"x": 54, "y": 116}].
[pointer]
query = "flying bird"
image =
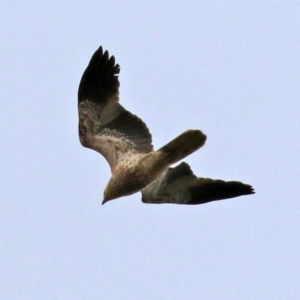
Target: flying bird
[{"x": 126, "y": 143}]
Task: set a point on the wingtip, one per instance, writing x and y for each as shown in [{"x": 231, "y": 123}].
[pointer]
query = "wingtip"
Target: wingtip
[{"x": 250, "y": 190}]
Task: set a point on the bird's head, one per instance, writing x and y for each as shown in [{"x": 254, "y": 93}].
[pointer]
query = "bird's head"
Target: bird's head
[
  {"x": 117, "y": 188},
  {"x": 114, "y": 189},
  {"x": 110, "y": 193}
]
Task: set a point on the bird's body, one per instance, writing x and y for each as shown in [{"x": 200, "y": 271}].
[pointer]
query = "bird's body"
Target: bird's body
[{"x": 125, "y": 141}]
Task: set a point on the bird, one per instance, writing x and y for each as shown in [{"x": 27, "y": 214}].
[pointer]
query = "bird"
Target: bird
[{"x": 126, "y": 143}]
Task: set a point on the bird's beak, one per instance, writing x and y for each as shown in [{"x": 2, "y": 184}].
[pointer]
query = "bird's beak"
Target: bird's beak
[{"x": 106, "y": 199}]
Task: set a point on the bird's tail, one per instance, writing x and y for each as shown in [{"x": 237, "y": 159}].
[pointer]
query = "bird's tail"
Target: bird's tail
[
  {"x": 182, "y": 146},
  {"x": 159, "y": 161}
]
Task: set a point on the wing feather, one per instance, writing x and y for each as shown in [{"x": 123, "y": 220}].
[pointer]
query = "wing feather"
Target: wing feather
[
  {"x": 181, "y": 186},
  {"x": 104, "y": 125}
]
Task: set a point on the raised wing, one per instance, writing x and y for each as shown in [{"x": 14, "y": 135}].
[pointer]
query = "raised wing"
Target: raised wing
[
  {"x": 181, "y": 186},
  {"x": 104, "y": 125}
]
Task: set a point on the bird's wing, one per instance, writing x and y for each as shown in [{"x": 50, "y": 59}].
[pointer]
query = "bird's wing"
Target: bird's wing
[
  {"x": 104, "y": 125},
  {"x": 181, "y": 186}
]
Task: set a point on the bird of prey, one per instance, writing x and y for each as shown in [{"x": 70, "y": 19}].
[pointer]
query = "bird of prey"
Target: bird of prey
[{"x": 126, "y": 143}]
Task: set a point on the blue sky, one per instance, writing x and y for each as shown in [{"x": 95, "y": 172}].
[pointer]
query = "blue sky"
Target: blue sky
[{"x": 229, "y": 68}]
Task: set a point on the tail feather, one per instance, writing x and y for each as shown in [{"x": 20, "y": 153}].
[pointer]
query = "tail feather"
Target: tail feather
[{"x": 182, "y": 146}]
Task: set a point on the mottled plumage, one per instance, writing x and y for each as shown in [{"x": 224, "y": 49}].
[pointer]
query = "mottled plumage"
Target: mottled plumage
[{"x": 126, "y": 143}]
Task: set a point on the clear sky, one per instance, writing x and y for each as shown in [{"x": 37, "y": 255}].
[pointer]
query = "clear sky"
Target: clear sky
[{"x": 229, "y": 68}]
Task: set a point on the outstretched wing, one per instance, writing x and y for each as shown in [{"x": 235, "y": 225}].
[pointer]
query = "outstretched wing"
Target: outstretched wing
[
  {"x": 104, "y": 125},
  {"x": 181, "y": 186}
]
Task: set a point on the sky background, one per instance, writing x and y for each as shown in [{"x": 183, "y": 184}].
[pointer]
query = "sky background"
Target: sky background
[{"x": 229, "y": 68}]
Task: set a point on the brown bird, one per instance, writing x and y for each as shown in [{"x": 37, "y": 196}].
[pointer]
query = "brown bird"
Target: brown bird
[{"x": 125, "y": 141}]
